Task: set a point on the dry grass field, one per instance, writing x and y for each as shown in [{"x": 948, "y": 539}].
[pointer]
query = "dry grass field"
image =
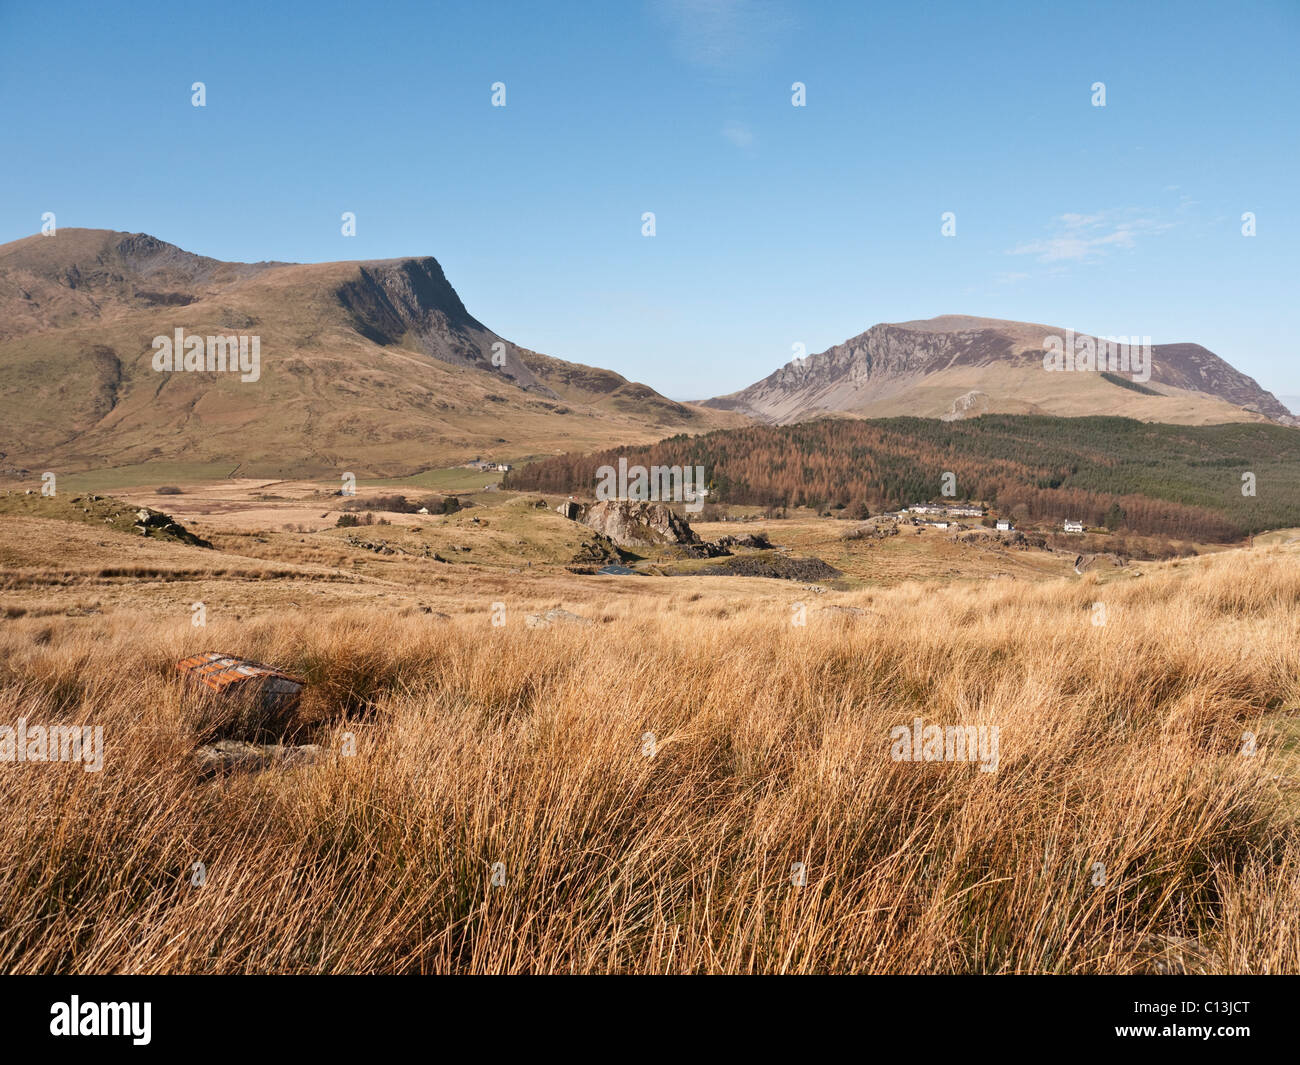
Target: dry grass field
[{"x": 693, "y": 782}]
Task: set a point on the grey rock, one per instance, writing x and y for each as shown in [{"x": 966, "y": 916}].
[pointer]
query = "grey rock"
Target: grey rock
[
  {"x": 638, "y": 524},
  {"x": 553, "y": 616},
  {"x": 1176, "y": 956},
  {"x": 238, "y": 756},
  {"x": 855, "y": 611}
]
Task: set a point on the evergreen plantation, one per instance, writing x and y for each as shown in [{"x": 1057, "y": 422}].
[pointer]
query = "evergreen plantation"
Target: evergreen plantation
[{"x": 1142, "y": 477}]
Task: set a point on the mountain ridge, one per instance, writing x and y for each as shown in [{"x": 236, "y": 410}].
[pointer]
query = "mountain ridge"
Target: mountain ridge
[
  {"x": 961, "y": 365},
  {"x": 373, "y": 364},
  {"x": 378, "y": 365}
]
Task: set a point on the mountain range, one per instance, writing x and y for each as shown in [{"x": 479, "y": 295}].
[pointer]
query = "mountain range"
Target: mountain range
[{"x": 378, "y": 368}]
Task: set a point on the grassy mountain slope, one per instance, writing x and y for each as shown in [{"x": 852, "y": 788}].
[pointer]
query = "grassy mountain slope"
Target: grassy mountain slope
[{"x": 374, "y": 367}]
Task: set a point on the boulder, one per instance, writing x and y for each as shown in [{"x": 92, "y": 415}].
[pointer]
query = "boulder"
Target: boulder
[
  {"x": 632, "y": 523},
  {"x": 872, "y": 528},
  {"x": 757, "y": 541},
  {"x": 553, "y": 616},
  {"x": 1176, "y": 956},
  {"x": 230, "y": 756}
]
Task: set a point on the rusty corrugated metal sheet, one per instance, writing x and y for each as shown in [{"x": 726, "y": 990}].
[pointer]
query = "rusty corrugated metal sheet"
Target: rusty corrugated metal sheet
[{"x": 229, "y": 674}]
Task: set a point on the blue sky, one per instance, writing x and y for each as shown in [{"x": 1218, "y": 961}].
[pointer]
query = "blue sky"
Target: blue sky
[{"x": 775, "y": 224}]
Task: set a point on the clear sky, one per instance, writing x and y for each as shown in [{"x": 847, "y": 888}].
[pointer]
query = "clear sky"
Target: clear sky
[{"x": 775, "y": 224}]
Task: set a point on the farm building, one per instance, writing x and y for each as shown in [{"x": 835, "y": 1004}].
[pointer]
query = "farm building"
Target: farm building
[
  {"x": 951, "y": 510},
  {"x": 1005, "y": 526},
  {"x": 1073, "y": 526}
]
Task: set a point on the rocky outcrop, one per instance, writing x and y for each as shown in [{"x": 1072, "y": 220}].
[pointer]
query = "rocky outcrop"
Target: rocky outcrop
[
  {"x": 596, "y": 551},
  {"x": 636, "y": 524},
  {"x": 754, "y": 541},
  {"x": 632, "y": 524},
  {"x": 150, "y": 522},
  {"x": 973, "y": 402},
  {"x": 872, "y": 529},
  {"x": 410, "y": 301},
  {"x": 555, "y": 616},
  {"x": 378, "y": 547}
]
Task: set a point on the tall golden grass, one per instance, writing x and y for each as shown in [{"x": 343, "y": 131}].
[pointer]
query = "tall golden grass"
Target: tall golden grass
[{"x": 1119, "y": 744}]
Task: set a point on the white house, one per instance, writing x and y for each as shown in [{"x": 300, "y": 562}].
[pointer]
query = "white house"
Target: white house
[
  {"x": 1073, "y": 526},
  {"x": 1004, "y": 526}
]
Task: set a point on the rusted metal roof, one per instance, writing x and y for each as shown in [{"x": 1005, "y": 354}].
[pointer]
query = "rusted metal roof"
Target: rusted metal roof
[{"x": 229, "y": 674}]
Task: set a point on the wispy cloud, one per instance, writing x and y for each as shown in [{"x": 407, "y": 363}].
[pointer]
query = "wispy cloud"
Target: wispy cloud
[
  {"x": 1010, "y": 277},
  {"x": 724, "y": 35},
  {"x": 738, "y": 134},
  {"x": 1088, "y": 237}
]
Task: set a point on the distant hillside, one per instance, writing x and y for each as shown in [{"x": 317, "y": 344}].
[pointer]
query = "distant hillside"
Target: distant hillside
[
  {"x": 957, "y": 366},
  {"x": 1180, "y": 481},
  {"x": 373, "y": 367}
]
